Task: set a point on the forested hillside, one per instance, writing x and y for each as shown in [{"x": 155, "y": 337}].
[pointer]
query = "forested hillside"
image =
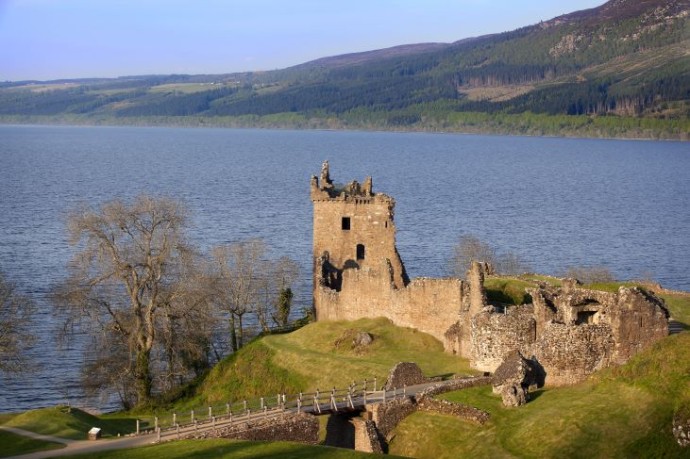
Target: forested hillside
[{"x": 622, "y": 69}]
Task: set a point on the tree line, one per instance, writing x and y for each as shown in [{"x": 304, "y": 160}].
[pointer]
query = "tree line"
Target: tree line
[{"x": 149, "y": 301}]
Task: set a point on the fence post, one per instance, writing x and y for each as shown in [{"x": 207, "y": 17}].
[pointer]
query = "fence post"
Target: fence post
[
  {"x": 262, "y": 403},
  {"x": 227, "y": 409},
  {"x": 299, "y": 405},
  {"x": 158, "y": 434},
  {"x": 174, "y": 418},
  {"x": 384, "y": 395},
  {"x": 155, "y": 422},
  {"x": 210, "y": 412},
  {"x": 245, "y": 407},
  {"x": 375, "y": 384},
  {"x": 192, "y": 416},
  {"x": 278, "y": 400},
  {"x": 137, "y": 426}
]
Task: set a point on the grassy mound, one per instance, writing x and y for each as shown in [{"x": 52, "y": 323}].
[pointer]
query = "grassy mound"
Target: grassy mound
[
  {"x": 70, "y": 423},
  {"x": 321, "y": 355},
  {"x": 621, "y": 412}
]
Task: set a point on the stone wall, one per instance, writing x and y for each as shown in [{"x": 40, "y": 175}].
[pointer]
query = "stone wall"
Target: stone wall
[
  {"x": 388, "y": 415},
  {"x": 366, "y": 436},
  {"x": 405, "y": 374},
  {"x": 570, "y": 353},
  {"x": 494, "y": 335},
  {"x": 429, "y": 305},
  {"x": 460, "y": 410},
  {"x": 302, "y": 428}
]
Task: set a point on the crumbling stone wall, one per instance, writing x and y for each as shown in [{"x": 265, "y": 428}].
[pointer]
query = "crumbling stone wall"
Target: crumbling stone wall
[
  {"x": 495, "y": 335},
  {"x": 388, "y": 415},
  {"x": 570, "y": 353},
  {"x": 405, "y": 374},
  {"x": 460, "y": 410},
  {"x": 301, "y": 427}
]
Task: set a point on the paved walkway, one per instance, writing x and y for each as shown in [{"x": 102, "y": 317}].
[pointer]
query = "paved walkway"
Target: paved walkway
[
  {"x": 86, "y": 446},
  {"x": 78, "y": 446}
]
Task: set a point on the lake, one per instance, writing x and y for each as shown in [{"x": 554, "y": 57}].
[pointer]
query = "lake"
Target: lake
[{"x": 554, "y": 202}]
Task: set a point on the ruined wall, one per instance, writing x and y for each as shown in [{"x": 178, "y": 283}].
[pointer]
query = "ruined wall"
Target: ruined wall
[
  {"x": 302, "y": 428},
  {"x": 570, "y": 353},
  {"x": 429, "y": 305},
  {"x": 495, "y": 335},
  {"x": 388, "y": 415}
]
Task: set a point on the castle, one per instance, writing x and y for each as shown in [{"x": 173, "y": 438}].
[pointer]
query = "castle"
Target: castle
[{"x": 570, "y": 331}]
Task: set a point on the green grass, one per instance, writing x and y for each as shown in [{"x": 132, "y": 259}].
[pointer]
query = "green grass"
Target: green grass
[
  {"x": 68, "y": 423},
  {"x": 308, "y": 359},
  {"x": 14, "y": 445},
  {"x": 679, "y": 307},
  {"x": 507, "y": 290},
  {"x": 620, "y": 412},
  {"x": 220, "y": 448}
]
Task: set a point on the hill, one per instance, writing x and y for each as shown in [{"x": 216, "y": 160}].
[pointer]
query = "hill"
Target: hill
[
  {"x": 621, "y": 412},
  {"x": 622, "y": 69}
]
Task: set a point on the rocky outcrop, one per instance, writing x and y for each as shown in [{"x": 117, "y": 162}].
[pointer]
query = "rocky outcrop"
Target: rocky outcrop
[{"x": 514, "y": 377}]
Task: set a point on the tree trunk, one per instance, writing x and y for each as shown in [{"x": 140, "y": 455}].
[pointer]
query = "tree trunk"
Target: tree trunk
[
  {"x": 142, "y": 376},
  {"x": 233, "y": 333}
]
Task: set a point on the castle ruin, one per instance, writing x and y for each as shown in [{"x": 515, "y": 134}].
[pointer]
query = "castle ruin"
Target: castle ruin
[{"x": 571, "y": 331}]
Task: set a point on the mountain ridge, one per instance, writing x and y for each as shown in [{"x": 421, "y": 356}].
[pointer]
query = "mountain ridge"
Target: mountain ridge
[{"x": 628, "y": 61}]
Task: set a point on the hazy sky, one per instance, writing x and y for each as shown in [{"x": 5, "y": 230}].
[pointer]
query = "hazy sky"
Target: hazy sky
[{"x": 50, "y": 39}]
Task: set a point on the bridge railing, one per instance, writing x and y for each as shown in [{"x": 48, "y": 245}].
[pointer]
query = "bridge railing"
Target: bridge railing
[{"x": 335, "y": 399}]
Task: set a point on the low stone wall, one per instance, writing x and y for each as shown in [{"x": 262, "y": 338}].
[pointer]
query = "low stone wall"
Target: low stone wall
[
  {"x": 459, "y": 410},
  {"x": 453, "y": 385},
  {"x": 302, "y": 428},
  {"x": 388, "y": 415}
]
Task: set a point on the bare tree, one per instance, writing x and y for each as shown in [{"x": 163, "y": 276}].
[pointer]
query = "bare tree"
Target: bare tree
[
  {"x": 16, "y": 312},
  {"x": 468, "y": 249},
  {"x": 241, "y": 270},
  {"x": 251, "y": 284},
  {"x": 133, "y": 279},
  {"x": 276, "y": 297}
]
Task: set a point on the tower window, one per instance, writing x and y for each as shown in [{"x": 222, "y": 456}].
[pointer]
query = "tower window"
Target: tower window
[
  {"x": 360, "y": 251},
  {"x": 346, "y": 224}
]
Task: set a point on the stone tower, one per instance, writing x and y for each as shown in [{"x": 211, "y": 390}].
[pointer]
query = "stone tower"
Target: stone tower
[{"x": 353, "y": 228}]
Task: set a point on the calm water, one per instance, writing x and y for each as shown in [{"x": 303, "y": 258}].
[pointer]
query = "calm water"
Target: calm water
[{"x": 554, "y": 202}]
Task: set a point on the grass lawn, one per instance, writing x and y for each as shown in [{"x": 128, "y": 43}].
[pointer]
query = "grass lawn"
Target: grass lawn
[
  {"x": 309, "y": 358},
  {"x": 219, "y": 448},
  {"x": 13, "y": 445},
  {"x": 620, "y": 412},
  {"x": 63, "y": 422}
]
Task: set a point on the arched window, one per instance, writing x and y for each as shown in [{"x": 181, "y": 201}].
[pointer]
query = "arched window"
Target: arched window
[{"x": 360, "y": 251}]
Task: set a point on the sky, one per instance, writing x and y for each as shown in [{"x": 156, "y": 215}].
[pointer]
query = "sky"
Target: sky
[{"x": 55, "y": 39}]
